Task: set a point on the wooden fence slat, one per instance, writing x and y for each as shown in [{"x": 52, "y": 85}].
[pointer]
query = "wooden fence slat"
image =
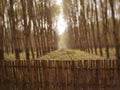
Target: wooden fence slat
[{"x": 60, "y": 75}]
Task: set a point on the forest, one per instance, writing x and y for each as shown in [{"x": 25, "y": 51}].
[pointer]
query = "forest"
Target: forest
[
  {"x": 28, "y": 29},
  {"x": 93, "y": 26},
  {"x": 59, "y": 44}
]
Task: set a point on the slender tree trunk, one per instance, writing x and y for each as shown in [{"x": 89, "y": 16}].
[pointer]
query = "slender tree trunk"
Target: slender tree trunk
[
  {"x": 14, "y": 31},
  {"x": 98, "y": 29},
  {"x": 105, "y": 26},
  {"x": 115, "y": 33},
  {"x": 26, "y": 32},
  {"x": 1, "y": 39}
]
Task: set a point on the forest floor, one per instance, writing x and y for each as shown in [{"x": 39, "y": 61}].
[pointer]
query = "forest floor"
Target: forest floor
[{"x": 69, "y": 54}]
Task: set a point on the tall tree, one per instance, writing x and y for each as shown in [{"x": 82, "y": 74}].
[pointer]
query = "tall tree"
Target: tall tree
[
  {"x": 115, "y": 33},
  {"x": 104, "y": 11},
  {"x": 98, "y": 29},
  {"x": 26, "y": 30},
  {"x": 14, "y": 31},
  {"x": 1, "y": 35}
]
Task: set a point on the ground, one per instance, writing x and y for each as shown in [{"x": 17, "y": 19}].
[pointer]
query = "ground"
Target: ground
[
  {"x": 70, "y": 55},
  {"x": 67, "y": 54}
]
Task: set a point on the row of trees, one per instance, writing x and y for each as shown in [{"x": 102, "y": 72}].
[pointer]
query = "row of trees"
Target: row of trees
[
  {"x": 27, "y": 26},
  {"x": 93, "y": 25}
]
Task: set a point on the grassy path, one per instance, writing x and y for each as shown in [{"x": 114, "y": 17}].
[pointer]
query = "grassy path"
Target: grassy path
[{"x": 70, "y": 55}]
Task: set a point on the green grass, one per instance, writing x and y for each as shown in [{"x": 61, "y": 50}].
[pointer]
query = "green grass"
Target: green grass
[
  {"x": 11, "y": 56},
  {"x": 111, "y": 53},
  {"x": 70, "y": 55},
  {"x": 67, "y": 54}
]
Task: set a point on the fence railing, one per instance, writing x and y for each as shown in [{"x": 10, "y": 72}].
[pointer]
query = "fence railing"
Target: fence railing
[{"x": 60, "y": 75}]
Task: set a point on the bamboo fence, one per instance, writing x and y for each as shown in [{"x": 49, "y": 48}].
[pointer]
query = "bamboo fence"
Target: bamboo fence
[{"x": 60, "y": 75}]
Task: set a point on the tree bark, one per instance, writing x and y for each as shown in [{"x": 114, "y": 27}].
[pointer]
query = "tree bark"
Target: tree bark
[
  {"x": 98, "y": 29},
  {"x": 14, "y": 31},
  {"x": 115, "y": 30},
  {"x": 1, "y": 39}
]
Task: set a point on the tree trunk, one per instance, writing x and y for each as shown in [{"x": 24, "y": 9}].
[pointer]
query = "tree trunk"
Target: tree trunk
[
  {"x": 115, "y": 30},
  {"x": 1, "y": 39},
  {"x": 26, "y": 32},
  {"x": 14, "y": 31},
  {"x": 98, "y": 29}
]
